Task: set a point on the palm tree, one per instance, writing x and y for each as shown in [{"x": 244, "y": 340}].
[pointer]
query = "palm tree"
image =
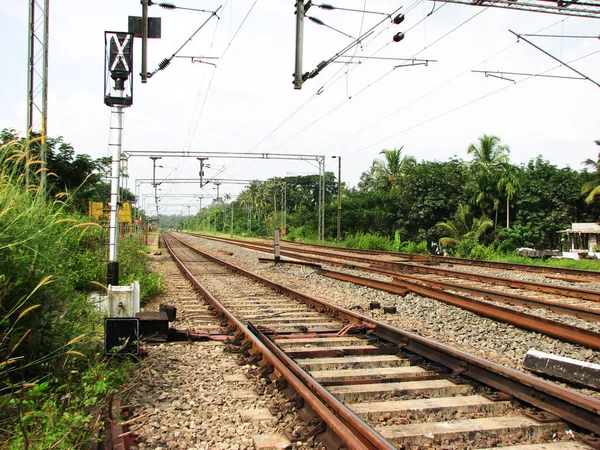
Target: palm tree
[
  {"x": 592, "y": 187},
  {"x": 488, "y": 157},
  {"x": 489, "y": 154},
  {"x": 389, "y": 169},
  {"x": 464, "y": 226},
  {"x": 509, "y": 184}
]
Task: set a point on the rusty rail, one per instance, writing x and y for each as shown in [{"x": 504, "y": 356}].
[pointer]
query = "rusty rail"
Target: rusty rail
[
  {"x": 584, "y": 294},
  {"x": 567, "y": 333},
  {"x": 573, "y": 407},
  {"x": 515, "y": 299},
  {"x": 351, "y": 437}
]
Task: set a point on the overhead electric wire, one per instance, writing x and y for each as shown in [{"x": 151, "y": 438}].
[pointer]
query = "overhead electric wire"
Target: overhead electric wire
[
  {"x": 317, "y": 92},
  {"x": 216, "y": 67},
  {"x": 325, "y": 85},
  {"x": 165, "y": 62},
  {"x": 377, "y": 80},
  {"x": 513, "y": 45},
  {"x": 168, "y": 5},
  {"x": 320, "y": 22},
  {"x": 187, "y": 144},
  {"x": 561, "y": 36},
  {"x": 489, "y": 94},
  {"x": 332, "y": 8}
]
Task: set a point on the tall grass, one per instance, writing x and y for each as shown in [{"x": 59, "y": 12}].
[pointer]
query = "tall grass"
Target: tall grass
[{"x": 51, "y": 368}]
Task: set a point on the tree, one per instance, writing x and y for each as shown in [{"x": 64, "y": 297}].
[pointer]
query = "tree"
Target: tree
[
  {"x": 488, "y": 157},
  {"x": 463, "y": 227},
  {"x": 592, "y": 187},
  {"x": 387, "y": 171},
  {"x": 509, "y": 184}
]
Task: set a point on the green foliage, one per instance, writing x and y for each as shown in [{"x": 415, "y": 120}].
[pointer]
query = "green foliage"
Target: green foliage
[
  {"x": 463, "y": 231},
  {"x": 132, "y": 264},
  {"x": 76, "y": 175},
  {"x": 368, "y": 241},
  {"x": 397, "y": 242},
  {"x": 481, "y": 252},
  {"x": 414, "y": 247},
  {"x": 549, "y": 201},
  {"x": 49, "y": 331},
  {"x": 303, "y": 233}
]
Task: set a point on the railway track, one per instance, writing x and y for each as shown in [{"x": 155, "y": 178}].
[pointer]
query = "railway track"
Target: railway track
[
  {"x": 478, "y": 300},
  {"x": 553, "y": 272},
  {"x": 369, "y": 385}
]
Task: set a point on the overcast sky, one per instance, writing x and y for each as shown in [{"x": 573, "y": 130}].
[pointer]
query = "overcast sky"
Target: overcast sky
[{"x": 248, "y": 104}]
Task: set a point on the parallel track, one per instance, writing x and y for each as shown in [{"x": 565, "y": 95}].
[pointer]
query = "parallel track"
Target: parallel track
[
  {"x": 586, "y": 274},
  {"x": 365, "y": 387},
  {"x": 439, "y": 290}
]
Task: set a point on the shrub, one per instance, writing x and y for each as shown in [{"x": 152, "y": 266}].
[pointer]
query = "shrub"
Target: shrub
[
  {"x": 51, "y": 366},
  {"x": 414, "y": 247},
  {"x": 368, "y": 241}
]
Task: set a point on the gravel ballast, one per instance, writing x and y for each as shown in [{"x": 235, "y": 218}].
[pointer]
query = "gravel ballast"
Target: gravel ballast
[{"x": 496, "y": 341}]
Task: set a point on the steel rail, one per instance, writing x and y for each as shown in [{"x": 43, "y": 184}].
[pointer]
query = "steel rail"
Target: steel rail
[
  {"x": 340, "y": 409},
  {"x": 574, "y": 292},
  {"x": 584, "y": 294},
  {"x": 352, "y": 433},
  {"x": 515, "y": 299},
  {"x": 573, "y": 407},
  {"x": 467, "y": 262},
  {"x": 567, "y": 333}
]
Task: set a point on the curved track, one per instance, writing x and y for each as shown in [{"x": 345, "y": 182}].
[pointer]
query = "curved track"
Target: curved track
[{"x": 370, "y": 385}]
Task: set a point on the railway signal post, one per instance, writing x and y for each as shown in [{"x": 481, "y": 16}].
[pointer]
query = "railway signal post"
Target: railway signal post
[{"x": 118, "y": 68}]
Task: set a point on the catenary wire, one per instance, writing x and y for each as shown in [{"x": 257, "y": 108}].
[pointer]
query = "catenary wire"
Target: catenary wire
[
  {"x": 437, "y": 88},
  {"x": 457, "y": 108}
]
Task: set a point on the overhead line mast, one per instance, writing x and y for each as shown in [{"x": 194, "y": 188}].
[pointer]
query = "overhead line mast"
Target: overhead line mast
[{"x": 37, "y": 81}]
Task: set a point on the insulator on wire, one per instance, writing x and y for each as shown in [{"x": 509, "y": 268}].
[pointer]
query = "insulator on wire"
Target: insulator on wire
[
  {"x": 398, "y": 36},
  {"x": 399, "y": 19},
  {"x": 167, "y": 5},
  {"x": 315, "y": 20},
  {"x": 326, "y": 6},
  {"x": 165, "y": 62}
]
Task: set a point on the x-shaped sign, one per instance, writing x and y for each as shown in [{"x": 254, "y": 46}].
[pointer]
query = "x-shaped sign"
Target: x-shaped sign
[{"x": 121, "y": 46}]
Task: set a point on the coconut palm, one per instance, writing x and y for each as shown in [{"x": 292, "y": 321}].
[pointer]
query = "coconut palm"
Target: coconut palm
[
  {"x": 488, "y": 157},
  {"x": 463, "y": 226},
  {"x": 389, "y": 169},
  {"x": 509, "y": 184},
  {"x": 592, "y": 187},
  {"x": 489, "y": 154}
]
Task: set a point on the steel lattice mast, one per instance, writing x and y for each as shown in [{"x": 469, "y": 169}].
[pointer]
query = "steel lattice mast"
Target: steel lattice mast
[{"x": 37, "y": 80}]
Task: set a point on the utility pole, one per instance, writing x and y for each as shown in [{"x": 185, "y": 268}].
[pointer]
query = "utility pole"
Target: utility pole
[
  {"x": 300, "y": 10},
  {"x": 144, "y": 73},
  {"x": 37, "y": 82},
  {"x": 202, "y": 170},
  {"x": 339, "y": 211},
  {"x": 154, "y": 158}
]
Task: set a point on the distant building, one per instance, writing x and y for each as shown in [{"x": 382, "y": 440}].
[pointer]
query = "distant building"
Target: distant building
[{"x": 581, "y": 237}]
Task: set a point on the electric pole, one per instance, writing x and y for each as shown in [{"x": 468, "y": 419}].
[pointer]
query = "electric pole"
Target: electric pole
[
  {"x": 37, "y": 82},
  {"x": 300, "y": 10},
  {"x": 339, "y": 211}
]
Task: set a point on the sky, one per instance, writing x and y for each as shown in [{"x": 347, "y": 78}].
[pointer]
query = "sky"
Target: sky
[{"x": 353, "y": 109}]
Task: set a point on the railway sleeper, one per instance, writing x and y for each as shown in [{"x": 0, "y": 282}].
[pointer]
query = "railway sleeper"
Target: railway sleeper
[{"x": 472, "y": 433}]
